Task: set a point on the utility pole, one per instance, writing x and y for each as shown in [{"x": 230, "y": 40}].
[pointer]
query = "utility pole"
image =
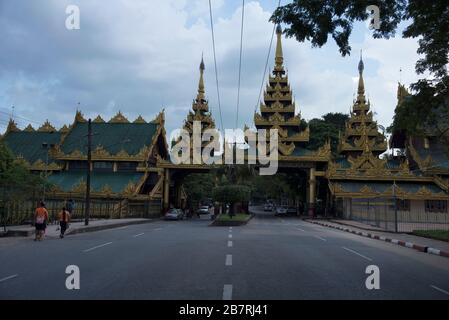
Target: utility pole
[
  {"x": 45, "y": 146},
  {"x": 395, "y": 207},
  {"x": 89, "y": 162}
]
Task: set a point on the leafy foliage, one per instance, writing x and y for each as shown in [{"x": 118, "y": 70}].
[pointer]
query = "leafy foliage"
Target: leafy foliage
[
  {"x": 326, "y": 128},
  {"x": 16, "y": 181},
  {"x": 314, "y": 21}
]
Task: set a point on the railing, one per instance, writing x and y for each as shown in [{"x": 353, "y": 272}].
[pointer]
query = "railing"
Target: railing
[
  {"x": 399, "y": 215},
  {"x": 13, "y": 212}
]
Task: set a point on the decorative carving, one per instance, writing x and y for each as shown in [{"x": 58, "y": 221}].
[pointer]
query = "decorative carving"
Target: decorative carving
[
  {"x": 29, "y": 128},
  {"x": 99, "y": 119},
  {"x": 80, "y": 187},
  {"x": 79, "y": 117},
  {"x": 100, "y": 152},
  {"x": 46, "y": 127},
  {"x": 140, "y": 119},
  {"x": 130, "y": 189},
  {"x": 286, "y": 149},
  {"x": 119, "y": 118}
]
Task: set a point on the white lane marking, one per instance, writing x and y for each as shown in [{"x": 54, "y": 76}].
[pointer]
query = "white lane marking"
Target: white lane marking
[
  {"x": 439, "y": 289},
  {"x": 9, "y": 277},
  {"x": 96, "y": 247},
  {"x": 228, "y": 260},
  {"x": 300, "y": 229},
  {"x": 359, "y": 254},
  {"x": 124, "y": 227},
  {"x": 157, "y": 229},
  {"x": 227, "y": 292},
  {"x": 318, "y": 237},
  {"x": 230, "y": 236},
  {"x": 138, "y": 235},
  {"x": 230, "y": 228},
  {"x": 229, "y": 244}
]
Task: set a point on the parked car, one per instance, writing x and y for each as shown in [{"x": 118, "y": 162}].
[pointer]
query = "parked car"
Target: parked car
[
  {"x": 268, "y": 207},
  {"x": 292, "y": 210},
  {"x": 174, "y": 214},
  {"x": 281, "y": 211},
  {"x": 203, "y": 210}
]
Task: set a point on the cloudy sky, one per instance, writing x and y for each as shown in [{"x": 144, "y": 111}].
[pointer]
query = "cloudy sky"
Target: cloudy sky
[{"x": 141, "y": 56}]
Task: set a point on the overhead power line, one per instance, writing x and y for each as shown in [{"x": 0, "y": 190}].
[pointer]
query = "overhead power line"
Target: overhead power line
[
  {"x": 266, "y": 62},
  {"x": 240, "y": 65},
  {"x": 215, "y": 63}
]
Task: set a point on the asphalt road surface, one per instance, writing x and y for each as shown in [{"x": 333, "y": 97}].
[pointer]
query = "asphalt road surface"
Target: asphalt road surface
[{"x": 270, "y": 258}]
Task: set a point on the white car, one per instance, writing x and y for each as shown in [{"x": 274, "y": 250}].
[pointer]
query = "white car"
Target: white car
[
  {"x": 203, "y": 210},
  {"x": 280, "y": 211}
]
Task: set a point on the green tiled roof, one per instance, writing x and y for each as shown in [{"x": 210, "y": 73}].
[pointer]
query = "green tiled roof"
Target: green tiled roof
[
  {"x": 113, "y": 137},
  {"x": 29, "y": 144},
  {"x": 439, "y": 154},
  {"x": 67, "y": 180}
]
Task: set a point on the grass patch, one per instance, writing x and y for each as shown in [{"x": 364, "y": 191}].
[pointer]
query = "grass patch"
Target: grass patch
[
  {"x": 237, "y": 217},
  {"x": 433, "y": 234}
]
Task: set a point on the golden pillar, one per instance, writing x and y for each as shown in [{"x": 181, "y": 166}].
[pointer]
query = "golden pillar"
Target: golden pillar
[
  {"x": 166, "y": 200},
  {"x": 311, "y": 192}
]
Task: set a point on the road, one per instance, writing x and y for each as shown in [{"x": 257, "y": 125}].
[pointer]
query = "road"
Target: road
[{"x": 270, "y": 258}]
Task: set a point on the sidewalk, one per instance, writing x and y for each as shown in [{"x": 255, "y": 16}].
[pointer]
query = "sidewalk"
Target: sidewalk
[
  {"x": 422, "y": 244},
  {"x": 75, "y": 227}
]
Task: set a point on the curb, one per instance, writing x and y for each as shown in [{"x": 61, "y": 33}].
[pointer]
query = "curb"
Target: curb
[
  {"x": 105, "y": 227},
  {"x": 216, "y": 223},
  {"x": 410, "y": 245},
  {"x": 70, "y": 231}
]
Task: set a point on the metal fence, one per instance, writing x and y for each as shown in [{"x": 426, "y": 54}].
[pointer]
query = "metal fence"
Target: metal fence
[
  {"x": 15, "y": 212},
  {"x": 398, "y": 215}
]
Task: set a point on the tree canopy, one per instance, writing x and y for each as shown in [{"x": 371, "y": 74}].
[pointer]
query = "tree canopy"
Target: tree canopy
[
  {"x": 16, "y": 181},
  {"x": 428, "y": 21}
]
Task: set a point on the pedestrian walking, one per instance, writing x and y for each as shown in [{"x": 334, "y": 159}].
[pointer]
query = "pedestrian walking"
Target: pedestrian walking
[
  {"x": 64, "y": 219},
  {"x": 40, "y": 221}
]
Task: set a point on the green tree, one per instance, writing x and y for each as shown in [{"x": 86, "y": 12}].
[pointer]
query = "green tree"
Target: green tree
[
  {"x": 16, "y": 181},
  {"x": 315, "y": 21},
  {"x": 232, "y": 194},
  {"x": 327, "y": 128},
  {"x": 198, "y": 186}
]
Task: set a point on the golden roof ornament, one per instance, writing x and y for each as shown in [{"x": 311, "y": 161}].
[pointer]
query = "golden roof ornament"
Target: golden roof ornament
[
  {"x": 119, "y": 118},
  {"x": 47, "y": 127},
  {"x": 12, "y": 126},
  {"x": 99, "y": 119},
  {"x": 140, "y": 119},
  {"x": 402, "y": 93},
  {"x": 29, "y": 128},
  {"x": 64, "y": 129},
  {"x": 79, "y": 117},
  {"x": 160, "y": 118}
]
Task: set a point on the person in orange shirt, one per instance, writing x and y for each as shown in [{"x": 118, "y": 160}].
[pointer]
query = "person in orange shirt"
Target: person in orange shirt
[
  {"x": 40, "y": 219},
  {"x": 64, "y": 219}
]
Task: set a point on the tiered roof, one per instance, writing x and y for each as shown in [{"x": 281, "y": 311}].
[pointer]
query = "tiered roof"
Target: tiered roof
[
  {"x": 278, "y": 112},
  {"x": 361, "y": 134},
  {"x": 200, "y": 111},
  {"x": 360, "y": 172}
]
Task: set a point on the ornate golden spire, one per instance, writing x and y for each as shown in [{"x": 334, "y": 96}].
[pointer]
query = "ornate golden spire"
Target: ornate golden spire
[
  {"x": 201, "y": 90},
  {"x": 361, "y": 87},
  {"x": 279, "y": 57},
  {"x": 402, "y": 93},
  {"x": 200, "y": 103},
  {"x": 12, "y": 126}
]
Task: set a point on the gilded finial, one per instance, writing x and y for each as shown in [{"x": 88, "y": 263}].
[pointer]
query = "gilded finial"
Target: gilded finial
[
  {"x": 279, "y": 57},
  {"x": 201, "y": 91},
  {"x": 361, "y": 87},
  {"x": 361, "y": 65}
]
